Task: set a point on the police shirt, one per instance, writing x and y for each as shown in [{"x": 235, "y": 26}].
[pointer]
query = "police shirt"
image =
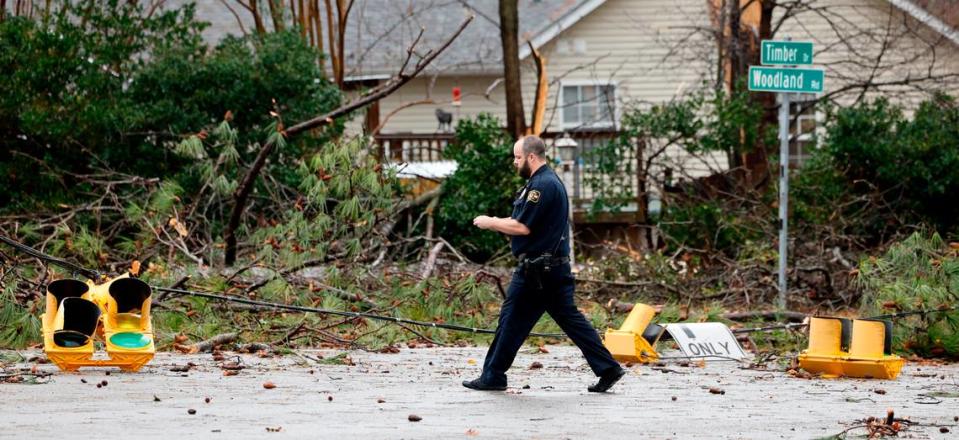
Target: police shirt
[{"x": 543, "y": 207}]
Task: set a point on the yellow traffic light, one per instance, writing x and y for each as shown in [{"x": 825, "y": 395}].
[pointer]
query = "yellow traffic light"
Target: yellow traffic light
[
  {"x": 636, "y": 338},
  {"x": 118, "y": 311},
  {"x": 852, "y": 348}
]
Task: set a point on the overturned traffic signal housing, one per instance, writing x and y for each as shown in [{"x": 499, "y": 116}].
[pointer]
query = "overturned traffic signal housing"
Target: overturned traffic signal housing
[
  {"x": 851, "y": 347},
  {"x": 117, "y": 311},
  {"x": 636, "y": 339}
]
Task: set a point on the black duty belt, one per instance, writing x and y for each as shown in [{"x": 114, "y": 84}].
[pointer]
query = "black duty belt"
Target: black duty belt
[
  {"x": 536, "y": 268},
  {"x": 545, "y": 259}
]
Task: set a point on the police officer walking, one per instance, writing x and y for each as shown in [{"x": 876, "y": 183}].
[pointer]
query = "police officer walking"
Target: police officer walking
[{"x": 543, "y": 282}]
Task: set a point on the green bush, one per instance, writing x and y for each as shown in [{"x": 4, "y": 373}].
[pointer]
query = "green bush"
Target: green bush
[
  {"x": 64, "y": 93},
  {"x": 76, "y": 101},
  {"x": 483, "y": 184},
  {"x": 913, "y": 162},
  {"x": 919, "y": 273}
]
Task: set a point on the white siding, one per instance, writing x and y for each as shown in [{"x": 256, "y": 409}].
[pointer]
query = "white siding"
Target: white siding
[
  {"x": 859, "y": 40},
  {"x": 421, "y": 118}
]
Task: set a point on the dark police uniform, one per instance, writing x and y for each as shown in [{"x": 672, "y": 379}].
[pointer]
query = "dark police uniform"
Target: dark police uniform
[{"x": 542, "y": 205}]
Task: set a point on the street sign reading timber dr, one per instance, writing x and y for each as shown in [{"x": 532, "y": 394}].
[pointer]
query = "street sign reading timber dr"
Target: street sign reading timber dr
[
  {"x": 787, "y": 80},
  {"x": 788, "y": 53}
]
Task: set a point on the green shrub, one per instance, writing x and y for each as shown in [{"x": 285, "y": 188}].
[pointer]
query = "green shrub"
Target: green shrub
[
  {"x": 76, "y": 101},
  {"x": 483, "y": 184},
  {"x": 913, "y": 162},
  {"x": 919, "y": 273}
]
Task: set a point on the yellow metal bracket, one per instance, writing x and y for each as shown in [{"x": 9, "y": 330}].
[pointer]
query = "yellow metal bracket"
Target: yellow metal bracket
[
  {"x": 851, "y": 348},
  {"x": 636, "y": 338}
]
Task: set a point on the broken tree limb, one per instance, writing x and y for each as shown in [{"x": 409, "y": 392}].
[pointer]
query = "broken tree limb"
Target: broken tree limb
[
  {"x": 242, "y": 193},
  {"x": 431, "y": 259},
  {"x": 542, "y": 91},
  {"x": 766, "y": 316},
  {"x": 387, "y": 227},
  {"x": 207, "y": 345}
]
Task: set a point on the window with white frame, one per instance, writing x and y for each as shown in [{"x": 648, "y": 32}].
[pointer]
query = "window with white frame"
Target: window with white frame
[
  {"x": 588, "y": 105},
  {"x": 804, "y": 128}
]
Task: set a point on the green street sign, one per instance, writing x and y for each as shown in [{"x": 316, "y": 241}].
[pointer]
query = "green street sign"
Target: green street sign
[
  {"x": 790, "y": 53},
  {"x": 778, "y": 79}
]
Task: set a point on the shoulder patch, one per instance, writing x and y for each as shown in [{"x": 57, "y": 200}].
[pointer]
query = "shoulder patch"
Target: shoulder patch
[{"x": 533, "y": 196}]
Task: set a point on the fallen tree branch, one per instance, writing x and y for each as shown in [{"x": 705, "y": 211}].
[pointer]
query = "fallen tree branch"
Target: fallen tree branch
[
  {"x": 766, "y": 316},
  {"x": 431, "y": 259},
  {"x": 207, "y": 345},
  {"x": 242, "y": 193}
]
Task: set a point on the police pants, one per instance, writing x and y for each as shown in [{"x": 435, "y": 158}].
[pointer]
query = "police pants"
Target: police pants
[{"x": 523, "y": 307}]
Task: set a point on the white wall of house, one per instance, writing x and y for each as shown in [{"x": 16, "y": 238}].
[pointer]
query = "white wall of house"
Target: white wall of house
[
  {"x": 856, "y": 40},
  {"x": 422, "y": 119},
  {"x": 648, "y": 50}
]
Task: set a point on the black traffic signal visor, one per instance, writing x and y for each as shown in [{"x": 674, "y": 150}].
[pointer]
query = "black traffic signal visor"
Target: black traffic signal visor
[
  {"x": 80, "y": 318},
  {"x": 67, "y": 288},
  {"x": 129, "y": 293}
]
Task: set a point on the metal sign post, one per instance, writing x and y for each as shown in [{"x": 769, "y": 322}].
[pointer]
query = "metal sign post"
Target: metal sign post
[
  {"x": 783, "y": 195},
  {"x": 785, "y": 79}
]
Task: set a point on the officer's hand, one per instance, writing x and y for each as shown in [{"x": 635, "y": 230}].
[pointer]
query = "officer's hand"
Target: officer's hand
[{"x": 483, "y": 222}]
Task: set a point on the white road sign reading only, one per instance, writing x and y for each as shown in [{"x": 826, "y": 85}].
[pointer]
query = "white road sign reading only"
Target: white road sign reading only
[{"x": 706, "y": 339}]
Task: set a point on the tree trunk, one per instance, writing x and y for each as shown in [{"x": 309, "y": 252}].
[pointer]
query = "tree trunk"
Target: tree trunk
[
  {"x": 276, "y": 13},
  {"x": 509, "y": 36},
  {"x": 756, "y": 160},
  {"x": 257, "y": 17}
]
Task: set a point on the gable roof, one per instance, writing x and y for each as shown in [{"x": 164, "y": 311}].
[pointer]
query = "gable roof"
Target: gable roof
[
  {"x": 933, "y": 14},
  {"x": 380, "y": 31}
]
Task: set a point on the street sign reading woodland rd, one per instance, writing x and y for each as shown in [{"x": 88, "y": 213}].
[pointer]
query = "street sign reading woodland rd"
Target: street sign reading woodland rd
[{"x": 782, "y": 79}]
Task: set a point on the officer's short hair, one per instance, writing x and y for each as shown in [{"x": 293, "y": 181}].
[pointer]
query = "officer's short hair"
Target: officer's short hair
[{"x": 534, "y": 145}]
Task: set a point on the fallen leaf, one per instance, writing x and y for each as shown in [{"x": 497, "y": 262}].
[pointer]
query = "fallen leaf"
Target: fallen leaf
[
  {"x": 535, "y": 366},
  {"x": 716, "y": 390},
  {"x": 471, "y": 361},
  {"x": 381, "y": 400},
  {"x": 155, "y": 398},
  {"x": 230, "y": 372},
  {"x": 543, "y": 349},
  {"x": 414, "y": 418},
  {"x": 472, "y": 432},
  {"x": 180, "y": 229},
  {"x": 277, "y": 429},
  {"x": 191, "y": 411},
  {"x": 269, "y": 385},
  {"x": 879, "y": 391}
]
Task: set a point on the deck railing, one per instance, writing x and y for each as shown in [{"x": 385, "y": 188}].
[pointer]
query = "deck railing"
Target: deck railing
[{"x": 581, "y": 176}]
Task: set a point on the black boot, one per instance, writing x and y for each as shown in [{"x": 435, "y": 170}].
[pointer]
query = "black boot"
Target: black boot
[
  {"x": 477, "y": 384},
  {"x": 607, "y": 380}
]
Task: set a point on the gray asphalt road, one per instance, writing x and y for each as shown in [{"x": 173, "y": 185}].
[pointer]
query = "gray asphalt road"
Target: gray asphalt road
[{"x": 375, "y": 397}]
